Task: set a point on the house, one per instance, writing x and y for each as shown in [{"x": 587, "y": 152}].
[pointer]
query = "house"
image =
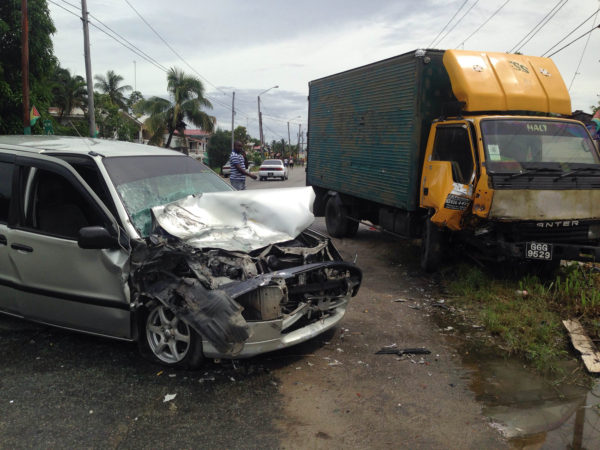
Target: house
[{"x": 195, "y": 141}]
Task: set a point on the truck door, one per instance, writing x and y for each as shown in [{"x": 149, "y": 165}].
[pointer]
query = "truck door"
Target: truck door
[{"x": 448, "y": 173}]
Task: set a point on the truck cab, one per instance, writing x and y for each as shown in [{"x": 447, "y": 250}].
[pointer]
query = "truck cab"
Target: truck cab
[{"x": 514, "y": 185}]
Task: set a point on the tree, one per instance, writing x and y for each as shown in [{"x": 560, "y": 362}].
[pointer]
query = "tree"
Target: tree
[
  {"x": 69, "y": 91},
  {"x": 187, "y": 100},
  {"x": 219, "y": 148},
  {"x": 133, "y": 101},
  {"x": 109, "y": 85},
  {"x": 41, "y": 63},
  {"x": 241, "y": 134},
  {"x": 112, "y": 122}
]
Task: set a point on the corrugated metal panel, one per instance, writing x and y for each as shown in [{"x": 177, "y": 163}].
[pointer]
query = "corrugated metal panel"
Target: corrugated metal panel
[{"x": 365, "y": 127}]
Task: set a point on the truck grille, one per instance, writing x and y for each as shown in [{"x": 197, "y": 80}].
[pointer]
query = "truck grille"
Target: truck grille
[{"x": 550, "y": 231}]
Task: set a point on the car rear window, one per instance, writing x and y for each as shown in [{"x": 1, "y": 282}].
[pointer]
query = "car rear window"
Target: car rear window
[{"x": 272, "y": 162}]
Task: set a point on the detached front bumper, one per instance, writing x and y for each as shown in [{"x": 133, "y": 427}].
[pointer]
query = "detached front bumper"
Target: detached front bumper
[{"x": 270, "y": 335}]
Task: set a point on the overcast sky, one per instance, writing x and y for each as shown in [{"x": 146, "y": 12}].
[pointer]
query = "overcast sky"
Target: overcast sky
[{"x": 250, "y": 46}]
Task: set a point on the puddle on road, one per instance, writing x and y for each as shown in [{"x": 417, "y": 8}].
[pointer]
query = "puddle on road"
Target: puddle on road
[{"x": 533, "y": 411}]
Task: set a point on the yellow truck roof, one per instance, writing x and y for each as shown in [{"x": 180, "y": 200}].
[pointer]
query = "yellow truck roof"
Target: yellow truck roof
[{"x": 488, "y": 81}]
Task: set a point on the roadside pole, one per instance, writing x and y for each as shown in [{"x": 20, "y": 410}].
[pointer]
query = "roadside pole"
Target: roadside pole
[
  {"x": 88, "y": 68},
  {"x": 232, "y": 114},
  {"x": 25, "y": 66}
]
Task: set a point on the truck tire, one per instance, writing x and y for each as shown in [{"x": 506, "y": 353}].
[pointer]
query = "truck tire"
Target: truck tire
[
  {"x": 432, "y": 247},
  {"x": 335, "y": 217}
]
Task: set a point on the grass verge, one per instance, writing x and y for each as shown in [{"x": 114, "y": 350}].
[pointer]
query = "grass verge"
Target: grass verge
[{"x": 524, "y": 314}]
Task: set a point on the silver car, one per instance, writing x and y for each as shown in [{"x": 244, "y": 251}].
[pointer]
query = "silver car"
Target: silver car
[{"x": 145, "y": 244}]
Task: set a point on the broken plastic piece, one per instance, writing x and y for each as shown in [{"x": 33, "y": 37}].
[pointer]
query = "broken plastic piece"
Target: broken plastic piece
[{"x": 402, "y": 351}]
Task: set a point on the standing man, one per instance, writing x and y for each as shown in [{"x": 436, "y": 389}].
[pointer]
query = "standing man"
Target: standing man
[{"x": 238, "y": 168}]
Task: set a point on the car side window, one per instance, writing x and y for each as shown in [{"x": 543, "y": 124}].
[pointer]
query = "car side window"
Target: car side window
[
  {"x": 6, "y": 177},
  {"x": 56, "y": 207}
]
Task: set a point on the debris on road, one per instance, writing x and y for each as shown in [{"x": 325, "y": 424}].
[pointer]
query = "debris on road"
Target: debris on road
[
  {"x": 169, "y": 397},
  {"x": 583, "y": 344},
  {"x": 393, "y": 350}
]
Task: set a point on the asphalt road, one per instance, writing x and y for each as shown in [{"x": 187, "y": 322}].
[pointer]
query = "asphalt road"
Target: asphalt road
[{"x": 64, "y": 390}]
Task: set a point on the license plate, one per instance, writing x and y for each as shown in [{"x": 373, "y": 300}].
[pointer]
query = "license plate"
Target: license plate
[
  {"x": 538, "y": 250},
  {"x": 270, "y": 174}
]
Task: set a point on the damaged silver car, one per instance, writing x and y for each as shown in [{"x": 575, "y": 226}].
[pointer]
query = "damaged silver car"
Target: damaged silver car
[{"x": 145, "y": 244}]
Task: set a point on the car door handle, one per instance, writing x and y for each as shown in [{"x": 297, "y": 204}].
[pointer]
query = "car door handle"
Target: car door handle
[
  {"x": 3, "y": 240},
  {"x": 21, "y": 247}
]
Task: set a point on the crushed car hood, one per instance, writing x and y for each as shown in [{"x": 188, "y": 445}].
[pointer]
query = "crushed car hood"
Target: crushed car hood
[{"x": 238, "y": 220}]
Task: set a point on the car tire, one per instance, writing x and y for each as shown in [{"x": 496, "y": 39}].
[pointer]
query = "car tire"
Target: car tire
[
  {"x": 335, "y": 217},
  {"x": 432, "y": 246},
  {"x": 167, "y": 340}
]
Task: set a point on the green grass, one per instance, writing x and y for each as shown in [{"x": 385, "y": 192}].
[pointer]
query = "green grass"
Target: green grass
[{"x": 529, "y": 325}]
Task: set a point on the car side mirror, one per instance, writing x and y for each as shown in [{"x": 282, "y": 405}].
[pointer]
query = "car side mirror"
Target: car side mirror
[{"x": 97, "y": 238}]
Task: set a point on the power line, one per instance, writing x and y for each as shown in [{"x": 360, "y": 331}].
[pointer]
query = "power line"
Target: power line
[
  {"x": 542, "y": 26},
  {"x": 483, "y": 24},
  {"x": 571, "y": 32},
  {"x": 451, "y": 19},
  {"x": 130, "y": 47},
  {"x": 458, "y": 21},
  {"x": 185, "y": 62},
  {"x": 582, "y": 53},
  {"x": 533, "y": 29},
  {"x": 573, "y": 41}
]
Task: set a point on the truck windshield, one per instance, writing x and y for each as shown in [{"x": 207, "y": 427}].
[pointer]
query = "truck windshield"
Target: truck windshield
[
  {"x": 144, "y": 182},
  {"x": 513, "y": 145}
]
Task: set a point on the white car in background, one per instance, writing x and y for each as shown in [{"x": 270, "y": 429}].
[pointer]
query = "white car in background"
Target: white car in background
[{"x": 272, "y": 168}]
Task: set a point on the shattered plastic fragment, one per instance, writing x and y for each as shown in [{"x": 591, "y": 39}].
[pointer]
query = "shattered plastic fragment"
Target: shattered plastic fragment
[{"x": 169, "y": 397}]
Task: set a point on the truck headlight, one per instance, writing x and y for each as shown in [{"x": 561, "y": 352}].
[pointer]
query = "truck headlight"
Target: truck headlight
[{"x": 594, "y": 232}]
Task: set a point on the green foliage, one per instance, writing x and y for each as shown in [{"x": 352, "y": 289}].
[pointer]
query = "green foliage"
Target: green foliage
[
  {"x": 526, "y": 314},
  {"x": 69, "y": 92},
  {"x": 241, "y": 134},
  {"x": 111, "y": 86},
  {"x": 41, "y": 63},
  {"x": 219, "y": 148},
  {"x": 186, "y": 104},
  {"x": 113, "y": 123}
]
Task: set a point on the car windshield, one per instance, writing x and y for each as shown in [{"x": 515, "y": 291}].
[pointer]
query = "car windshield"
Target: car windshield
[
  {"x": 512, "y": 145},
  {"x": 144, "y": 182},
  {"x": 272, "y": 162}
]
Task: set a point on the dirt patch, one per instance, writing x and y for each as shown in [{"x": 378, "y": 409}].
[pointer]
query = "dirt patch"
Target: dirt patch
[{"x": 341, "y": 394}]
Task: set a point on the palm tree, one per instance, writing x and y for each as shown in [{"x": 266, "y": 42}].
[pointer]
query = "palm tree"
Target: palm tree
[
  {"x": 109, "y": 85},
  {"x": 69, "y": 91},
  {"x": 187, "y": 100}
]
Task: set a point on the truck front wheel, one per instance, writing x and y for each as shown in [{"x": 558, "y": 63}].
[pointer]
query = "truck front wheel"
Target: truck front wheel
[
  {"x": 335, "y": 217},
  {"x": 432, "y": 247}
]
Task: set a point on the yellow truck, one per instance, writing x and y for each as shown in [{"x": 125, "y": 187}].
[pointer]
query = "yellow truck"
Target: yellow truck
[{"x": 472, "y": 148}]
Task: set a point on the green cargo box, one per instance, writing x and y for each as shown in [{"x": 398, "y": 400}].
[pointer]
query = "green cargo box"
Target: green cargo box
[{"x": 368, "y": 127}]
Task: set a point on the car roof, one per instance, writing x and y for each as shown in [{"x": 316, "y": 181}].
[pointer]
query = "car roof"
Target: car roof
[{"x": 83, "y": 146}]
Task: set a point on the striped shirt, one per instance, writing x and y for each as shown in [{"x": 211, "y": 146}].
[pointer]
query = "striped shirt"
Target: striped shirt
[{"x": 234, "y": 159}]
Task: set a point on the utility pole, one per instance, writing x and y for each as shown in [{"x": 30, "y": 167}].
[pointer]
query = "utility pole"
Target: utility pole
[
  {"x": 289, "y": 140},
  {"x": 25, "y": 65},
  {"x": 299, "y": 150},
  {"x": 260, "y": 130},
  {"x": 232, "y": 114},
  {"x": 88, "y": 68},
  {"x": 134, "y": 76}
]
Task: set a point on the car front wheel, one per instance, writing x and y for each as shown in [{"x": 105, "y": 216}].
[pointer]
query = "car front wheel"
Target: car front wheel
[{"x": 168, "y": 340}]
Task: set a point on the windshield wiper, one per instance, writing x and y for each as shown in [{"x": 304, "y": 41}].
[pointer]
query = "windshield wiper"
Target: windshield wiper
[
  {"x": 576, "y": 171},
  {"x": 534, "y": 170}
]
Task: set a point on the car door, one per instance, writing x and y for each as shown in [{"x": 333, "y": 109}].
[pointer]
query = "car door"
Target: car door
[
  {"x": 61, "y": 283},
  {"x": 449, "y": 172},
  {"x": 8, "y": 278}
]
